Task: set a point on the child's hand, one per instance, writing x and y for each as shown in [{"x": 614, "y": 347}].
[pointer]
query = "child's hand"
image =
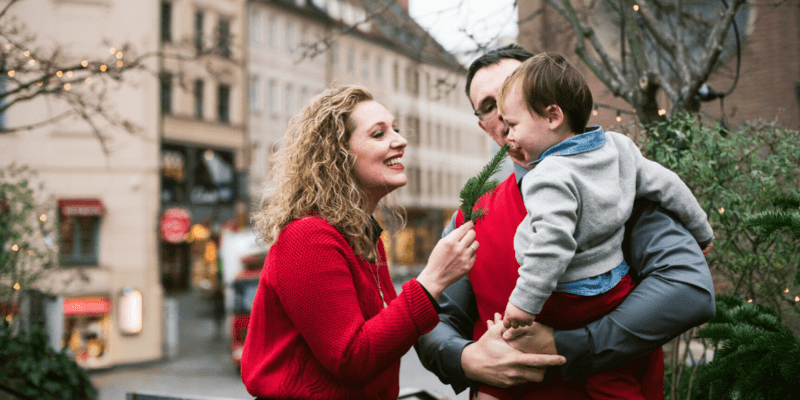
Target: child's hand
[
  {"x": 516, "y": 317},
  {"x": 708, "y": 248}
]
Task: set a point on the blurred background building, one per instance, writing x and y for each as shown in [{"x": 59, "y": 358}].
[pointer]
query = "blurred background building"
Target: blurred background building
[{"x": 143, "y": 214}]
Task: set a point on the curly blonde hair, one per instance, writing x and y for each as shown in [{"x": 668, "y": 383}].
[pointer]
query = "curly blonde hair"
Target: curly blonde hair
[{"x": 314, "y": 172}]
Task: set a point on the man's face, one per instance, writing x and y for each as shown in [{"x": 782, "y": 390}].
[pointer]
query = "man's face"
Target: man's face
[{"x": 483, "y": 94}]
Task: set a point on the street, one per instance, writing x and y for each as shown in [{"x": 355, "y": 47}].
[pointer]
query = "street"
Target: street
[{"x": 203, "y": 366}]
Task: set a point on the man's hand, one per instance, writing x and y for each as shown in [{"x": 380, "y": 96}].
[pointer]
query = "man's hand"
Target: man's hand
[
  {"x": 515, "y": 317},
  {"x": 493, "y": 361}
]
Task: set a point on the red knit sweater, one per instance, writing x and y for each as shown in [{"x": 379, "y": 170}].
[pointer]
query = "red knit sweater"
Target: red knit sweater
[{"x": 318, "y": 329}]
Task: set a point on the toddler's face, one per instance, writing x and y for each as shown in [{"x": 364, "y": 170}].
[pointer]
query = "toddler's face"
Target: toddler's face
[{"x": 528, "y": 131}]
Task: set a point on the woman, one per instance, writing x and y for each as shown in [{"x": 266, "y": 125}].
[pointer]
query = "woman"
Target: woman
[{"x": 326, "y": 322}]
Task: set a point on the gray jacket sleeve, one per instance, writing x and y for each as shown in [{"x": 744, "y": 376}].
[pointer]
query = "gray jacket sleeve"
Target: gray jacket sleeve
[{"x": 675, "y": 294}]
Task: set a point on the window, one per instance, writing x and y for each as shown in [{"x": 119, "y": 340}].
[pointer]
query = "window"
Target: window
[
  {"x": 224, "y": 103},
  {"x": 256, "y": 33},
  {"x": 198, "y": 31},
  {"x": 224, "y": 38},
  {"x": 351, "y": 60},
  {"x": 166, "y": 22},
  {"x": 289, "y": 36},
  {"x": 199, "y": 89},
  {"x": 289, "y": 101},
  {"x": 303, "y": 97},
  {"x": 255, "y": 93},
  {"x": 379, "y": 68},
  {"x": 273, "y": 97},
  {"x": 365, "y": 66},
  {"x": 412, "y": 80},
  {"x": 272, "y": 30},
  {"x": 396, "y": 75},
  {"x": 335, "y": 56},
  {"x": 79, "y": 231},
  {"x": 166, "y": 94}
]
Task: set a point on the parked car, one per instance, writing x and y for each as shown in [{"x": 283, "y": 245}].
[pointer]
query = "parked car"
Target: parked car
[{"x": 244, "y": 291}]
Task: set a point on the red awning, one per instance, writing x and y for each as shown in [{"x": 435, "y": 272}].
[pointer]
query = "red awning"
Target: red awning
[
  {"x": 81, "y": 207},
  {"x": 87, "y": 306}
]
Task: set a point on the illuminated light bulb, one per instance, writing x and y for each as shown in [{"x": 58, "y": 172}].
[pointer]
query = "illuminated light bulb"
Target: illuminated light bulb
[
  {"x": 59, "y": 74},
  {"x": 796, "y": 299},
  {"x": 635, "y": 7},
  {"x": 69, "y": 74},
  {"x": 39, "y": 83},
  {"x": 14, "y": 248},
  {"x": 722, "y": 210},
  {"x": 749, "y": 300},
  {"x": 662, "y": 112},
  {"x": 88, "y": 79},
  {"x": 32, "y": 61},
  {"x": 27, "y": 53},
  {"x": 30, "y": 252},
  {"x": 8, "y": 318},
  {"x": 8, "y": 46},
  {"x": 16, "y": 286},
  {"x": 120, "y": 64},
  {"x": 11, "y": 73},
  {"x": 43, "y": 218},
  {"x": 84, "y": 63},
  {"x": 786, "y": 290},
  {"x": 103, "y": 68},
  {"x": 619, "y": 118},
  {"x": 112, "y": 50},
  {"x": 66, "y": 86},
  {"x": 594, "y": 112},
  {"x": 119, "y": 54}
]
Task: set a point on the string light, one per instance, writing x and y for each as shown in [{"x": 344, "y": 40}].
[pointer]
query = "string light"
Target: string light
[
  {"x": 32, "y": 61},
  {"x": 722, "y": 210},
  {"x": 8, "y": 318},
  {"x": 16, "y": 286},
  {"x": 635, "y": 7},
  {"x": 103, "y": 68},
  {"x": 119, "y": 54},
  {"x": 120, "y": 64},
  {"x": 662, "y": 111},
  {"x": 594, "y": 112},
  {"x": 14, "y": 248},
  {"x": 27, "y": 53},
  {"x": 749, "y": 300},
  {"x": 69, "y": 74},
  {"x": 84, "y": 63},
  {"x": 796, "y": 299},
  {"x": 619, "y": 118},
  {"x": 786, "y": 290},
  {"x": 112, "y": 50},
  {"x": 66, "y": 86},
  {"x": 8, "y": 46},
  {"x": 39, "y": 83},
  {"x": 59, "y": 74},
  {"x": 11, "y": 73}
]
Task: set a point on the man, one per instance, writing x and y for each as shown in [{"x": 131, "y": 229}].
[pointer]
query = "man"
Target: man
[{"x": 674, "y": 291}]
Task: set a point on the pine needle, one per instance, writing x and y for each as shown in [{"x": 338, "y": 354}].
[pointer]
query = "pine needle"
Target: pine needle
[{"x": 479, "y": 185}]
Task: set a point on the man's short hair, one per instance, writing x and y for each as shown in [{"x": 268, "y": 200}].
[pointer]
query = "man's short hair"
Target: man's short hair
[
  {"x": 512, "y": 51},
  {"x": 548, "y": 78}
]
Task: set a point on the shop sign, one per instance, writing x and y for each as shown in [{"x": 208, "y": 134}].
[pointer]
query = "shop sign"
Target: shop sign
[
  {"x": 87, "y": 306},
  {"x": 175, "y": 224}
]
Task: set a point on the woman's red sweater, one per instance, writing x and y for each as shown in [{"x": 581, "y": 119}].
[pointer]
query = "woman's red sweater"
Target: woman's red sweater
[{"x": 318, "y": 329}]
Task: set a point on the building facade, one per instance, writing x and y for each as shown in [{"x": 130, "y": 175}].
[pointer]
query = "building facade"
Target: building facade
[
  {"x": 105, "y": 203},
  {"x": 299, "y": 48},
  {"x": 768, "y": 82}
]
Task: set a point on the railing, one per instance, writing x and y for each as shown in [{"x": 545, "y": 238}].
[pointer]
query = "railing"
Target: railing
[{"x": 405, "y": 393}]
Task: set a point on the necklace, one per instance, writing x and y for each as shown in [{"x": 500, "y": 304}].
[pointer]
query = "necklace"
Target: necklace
[{"x": 377, "y": 281}]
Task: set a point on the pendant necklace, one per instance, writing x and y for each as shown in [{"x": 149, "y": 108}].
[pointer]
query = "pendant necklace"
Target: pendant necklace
[{"x": 377, "y": 281}]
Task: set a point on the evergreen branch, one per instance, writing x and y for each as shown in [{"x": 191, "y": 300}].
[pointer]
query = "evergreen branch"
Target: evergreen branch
[
  {"x": 479, "y": 185},
  {"x": 771, "y": 221}
]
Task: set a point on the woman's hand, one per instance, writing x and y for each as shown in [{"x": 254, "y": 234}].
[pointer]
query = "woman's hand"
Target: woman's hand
[{"x": 450, "y": 260}]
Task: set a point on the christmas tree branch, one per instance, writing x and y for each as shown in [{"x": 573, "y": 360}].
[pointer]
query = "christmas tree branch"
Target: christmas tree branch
[{"x": 479, "y": 185}]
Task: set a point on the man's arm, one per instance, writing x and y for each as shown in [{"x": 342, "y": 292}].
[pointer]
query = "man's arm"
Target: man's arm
[{"x": 675, "y": 294}]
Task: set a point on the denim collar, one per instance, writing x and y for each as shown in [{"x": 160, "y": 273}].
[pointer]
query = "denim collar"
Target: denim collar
[{"x": 591, "y": 139}]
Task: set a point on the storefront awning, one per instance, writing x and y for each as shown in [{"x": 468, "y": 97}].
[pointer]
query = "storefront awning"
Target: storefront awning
[
  {"x": 81, "y": 207},
  {"x": 87, "y": 306}
]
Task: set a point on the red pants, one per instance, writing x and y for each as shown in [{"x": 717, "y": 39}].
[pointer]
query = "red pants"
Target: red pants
[{"x": 642, "y": 378}]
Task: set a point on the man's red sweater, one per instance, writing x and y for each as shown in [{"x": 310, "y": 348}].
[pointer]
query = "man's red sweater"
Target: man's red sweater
[{"x": 318, "y": 329}]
